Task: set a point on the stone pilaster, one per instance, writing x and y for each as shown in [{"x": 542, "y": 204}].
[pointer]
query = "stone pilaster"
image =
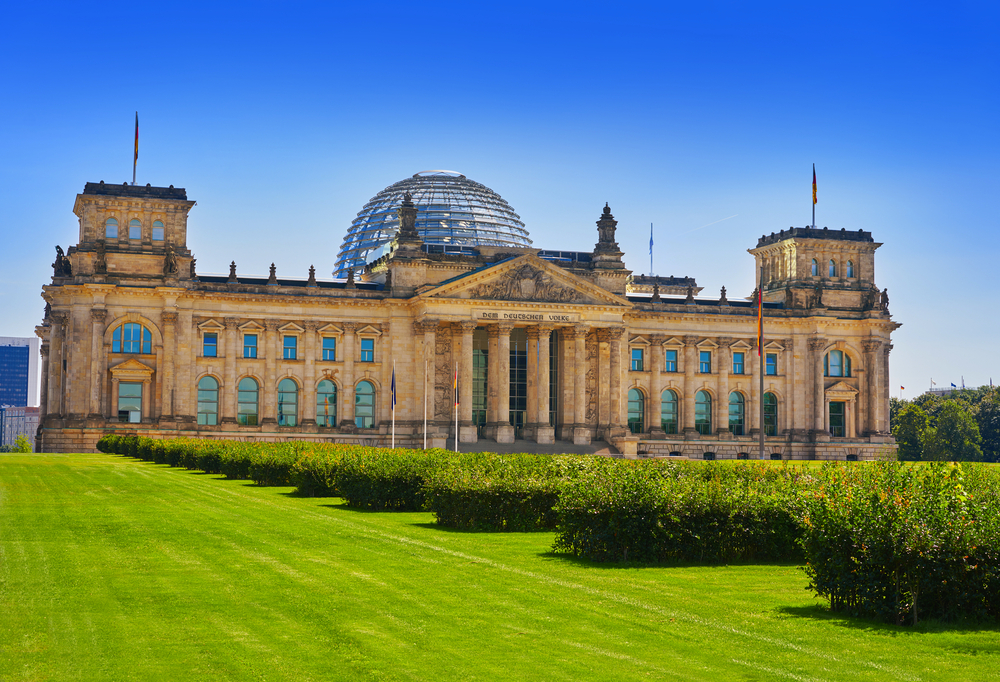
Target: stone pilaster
[
  {"x": 350, "y": 329},
  {"x": 230, "y": 380},
  {"x": 501, "y": 430},
  {"x": 268, "y": 392},
  {"x": 464, "y": 345},
  {"x": 581, "y": 429},
  {"x": 169, "y": 319},
  {"x": 543, "y": 431},
  {"x": 308, "y": 407},
  {"x": 97, "y": 360},
  {"x": 690, "y": 366},
  {"x": 723, "y": 365},
  {"x": 656, "y": 364},
  {"x": 820, "y": 430}
]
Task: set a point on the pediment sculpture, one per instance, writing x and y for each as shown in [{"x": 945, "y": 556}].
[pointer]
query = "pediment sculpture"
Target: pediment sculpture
[{"x": 526, "y": 283}]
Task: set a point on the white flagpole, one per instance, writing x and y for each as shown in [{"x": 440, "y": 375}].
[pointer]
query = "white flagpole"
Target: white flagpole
[
  {"x": 456, "y": 407},
  {"x": 393, "y": 404},
  {"x": 425, "y": 403}
]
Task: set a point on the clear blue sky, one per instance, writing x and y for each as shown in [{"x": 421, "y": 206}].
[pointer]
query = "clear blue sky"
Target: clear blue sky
[{"x": 283, "y": 119}]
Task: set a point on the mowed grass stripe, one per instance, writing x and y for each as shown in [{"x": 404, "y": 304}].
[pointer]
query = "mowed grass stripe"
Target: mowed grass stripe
[{"x": 116, "y": 569}]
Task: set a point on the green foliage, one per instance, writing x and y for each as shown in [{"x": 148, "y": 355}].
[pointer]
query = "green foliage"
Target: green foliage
[
  {"x": 903, "y": 543},
  {"x": 955, "y": 436},
  {"x": 987, "y": 414},
  {"x": 380, "y": 479},
  {"x": 22, "y": 444},
  {"x": 908, "y": 429}
]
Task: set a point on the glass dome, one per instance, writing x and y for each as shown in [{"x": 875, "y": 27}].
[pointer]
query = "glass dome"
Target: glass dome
[{"x": 451, "y": 210}]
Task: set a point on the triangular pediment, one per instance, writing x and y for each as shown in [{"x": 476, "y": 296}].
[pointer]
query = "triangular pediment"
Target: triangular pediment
[
  {"x": 707, "y": 343},
  {"x": 673, "y": 342},
  {"x": 369, "y": 331},
  {"x": 526, "y": 278},
  {"x": 638, "y": 341},
  {"x": 251, "y": 326},
  {"x": 773, "y": 346},
  {"x": 131, "y": 369},
  {"x": 841, "y": 389},
  {"x": 741, "y": 345},
  {"x": 210, "y": 325},
  {"x": 291, "y": 328},
  {"x": 330, "y": 329}
]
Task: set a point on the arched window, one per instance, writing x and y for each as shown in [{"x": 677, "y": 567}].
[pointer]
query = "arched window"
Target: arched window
[
  {"x": 837, "y": 363},
  {"x": 364, "y": 405},
  {"x": 850, "y": 268},
  {"x": 111, "y": 229},
  {"x": 636, "y": 406},
  {"x": 770, "y": 414},
  {"x": 737, "y": 413},
  {"x": 134, "y": 229},
  {"x": 326, "y": 403},
  {"x": 246, "y": 402},
  {"x": 815, "y": 268},
  {"x": 208, "y": 401},
  {"x": 131, "y": 338},
  {"x": 668, "y": 411},
  {"x": 833, "y": 268},
  {"x": 708, "y": 455},
  {"x": 703, "y": 412},
  {"x": 288, "y": 402},
  {"x": 775, "y": 455},
  {"x": 157, "y": 230}
]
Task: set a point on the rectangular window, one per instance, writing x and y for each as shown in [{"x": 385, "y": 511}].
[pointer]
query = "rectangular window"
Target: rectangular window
[
  {"x": 367, "y": 350},
  {"x": 130, "y": 402},
  {"x": 671, "y": 361},
  {"x": 210, "y": 347},
  {"x": 771, "y": 364},
  {"x": 329, "y": 348},
  {"x": 290, "y": 347},
  {"x": 636, "y": 359},
  {"x": 705, "y": 362},
  {"x": 157, "y": 234},
  {"x": 249, "y": 345},
  {"x": 837, "y": 419},
  {"x": 737, "y": 363}
]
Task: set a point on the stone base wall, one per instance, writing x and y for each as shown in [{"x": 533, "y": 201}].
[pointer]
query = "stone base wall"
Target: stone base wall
[{"x": 834, "y": 450}]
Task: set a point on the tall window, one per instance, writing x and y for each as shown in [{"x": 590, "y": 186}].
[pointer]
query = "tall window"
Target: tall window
[
  {"x": 737, "y": 363},
  {"x": 249, "y": 345},
  {"x": 367, "y": 350},
  {"x": 668, "y": 411},
  {"x": 815, "y": 268},
  {"x": 111, "y": 229},
  {"x": 636, "y": 407},
  {"x": 246, "y": 402},
  {"x": 703, "y": 412},
  {"x": 850, "y": 268},
  {"x": 770, "y": 414},
  {"x": 134, "y": 229},
  {"x": 288, "y": 402},
  {"x": 329, "y": 348},
  {"x": 157, "y": 230},
  {"x": 833, "y": 268},
  {"x": 771, "y": 364},
  {"x": 636, "y": 359},
  {"x": 131, "y": 338},
  {"x": 326, "y": 403},
  {"x": 208, "y": 401},
  {"x": 210, "y": 346},
  {"x": 737, "y": 413},
  {"x": 130, "y": 402},
  {"x": 837, "y": 363},
  {"x": 671, "y": 356},
  {"x": 290, "y": 347},
  {"x": 705, "y": 362},
  {"x": 837, "y": 419},
  {"x": 364, "y": 405}
]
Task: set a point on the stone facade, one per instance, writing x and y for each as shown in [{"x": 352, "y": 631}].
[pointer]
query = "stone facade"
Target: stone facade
[{"x": 135, "y": 341}]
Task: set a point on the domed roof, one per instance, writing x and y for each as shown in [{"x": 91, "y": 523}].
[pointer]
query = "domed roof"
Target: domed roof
[{"x": 451, "y": 210}]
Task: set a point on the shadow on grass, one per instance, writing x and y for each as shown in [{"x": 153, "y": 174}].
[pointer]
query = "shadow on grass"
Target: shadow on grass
[
  {"x": 819, "y": 612},
  {"x": 588, "y": 563}
]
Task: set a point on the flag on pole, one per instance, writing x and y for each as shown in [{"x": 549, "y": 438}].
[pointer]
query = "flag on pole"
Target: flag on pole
[
  {"x": 394, "y": 385},
  {"x": 456, "y": 384},
  {"x": 902, "y": 388},
  {"x": 135, "y": 158},
  {"x": 953, "y": 385},
  {"x": 651, "y": 239},
  {"x": 814, "y": 184},
  {"x": 933, "y": 383}
]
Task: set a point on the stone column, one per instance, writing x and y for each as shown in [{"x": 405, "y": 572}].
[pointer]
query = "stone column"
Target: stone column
[
  {"x": 44, "y": 392},
  {"x": 185, "y": 409},
  {"x": 581, "y": 429},
  {"x": 492, "y": 380},
  {"x": 723, "y": 365},
  {"x": 167, "y": 379},
  {"x": 147, "y": 385},
  {"x": 882, "y": 408},
  {"x": 466, "y": 427},
  {"x": 97, "y": 318},
  {"x": 309, "y": 379},
  {"x": 690, "y": 365},
  {"x": 821, "y": 429},
  {"x": 544, "y": 432},
  {"x": 567, "y": 383},
  {"x": 870, "y": 384},
  {"x": 114, "y": 399},
  {"x": 347, "y": 388},
  {"x": 653, "y": 407},
  {"x": 753, "y": 409},
  {"x": 504, "y": 429},
  {"x": 268, "y": 392},
  {"x": 229, "y": 378},
  {"x": 58, "y": 325},
  {"x": 531, "y": 407},
  {"x": 616, "y": 418}
]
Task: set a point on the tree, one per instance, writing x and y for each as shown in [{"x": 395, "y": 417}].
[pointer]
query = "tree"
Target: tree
[
  {"x": 988, "y": 419},
  {"x": 22, "y": 444},
  {"x": 896, "y": 406},
  {"x": 908, "y": 429},
  {"x": 955, "y": 436}
]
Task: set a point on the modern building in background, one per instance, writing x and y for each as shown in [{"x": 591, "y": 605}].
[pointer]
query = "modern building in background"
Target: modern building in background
[
  {"x": 18, "y": 371},
  {"x": 533, "y": 344}
]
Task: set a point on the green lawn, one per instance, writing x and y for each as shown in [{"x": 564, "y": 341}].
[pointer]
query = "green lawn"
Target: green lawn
[{"x": 113, "y": 569}]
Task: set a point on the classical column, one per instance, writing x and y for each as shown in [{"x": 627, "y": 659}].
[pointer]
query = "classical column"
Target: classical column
[
  {"x": 870, "y": 385},
  {"x": 531, "y": 406},
  {"x": 653, "y": 425},
  {"x": 820, "y": 427},
  {"x": 503, "y": 429},
  {"x": 690, "y": 365},
  {"x": 617, "y": 419},
  {"x": 308, "y": 392},
  {"x": 603, "y": 389},
  {"x": 347, "y": 387},
  {"x": 466, "y": 427},
  {"x": 167, "y": 378},
  {"x": 147, "y": 399},
  {"x": 114, "y": 399},
  {"x": 97, "y": 318},
  {"x": 58, "y": 325},
  {"x": 544, "y": 432},
  {"x": 883, "y": 393},
  {"x": 229, "y": 378},
  {"x": 581, "y": 429},
  {"x": 269, "y": 413},
  {"x": 567, "y": 383},
  {"x": 185, "y": 391},
  {"x": 492, "y": 380},
  {"x": 723, "y": 365},
  {"x": 753, "y": 411}
]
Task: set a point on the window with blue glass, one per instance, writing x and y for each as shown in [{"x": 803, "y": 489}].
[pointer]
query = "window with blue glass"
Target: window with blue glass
[
  {"x": 850, "y": 268},
  {"x": 703, "y": 412},
  {"x": 131, "y": 338},
  {"x": 290, "y": 347},
  {"x": 157, "y": 230},
  {"x": 815, "y": 268},
  {"x": 668, "y": 411},
  {"x": 770, "y": 414},
  {"x": 367, "y": 350},
  {"x": 737, "y": 363},
  {"x": 329, "y": 348},
  {"x": 837, "y": 363},
  {"x": 249, "y": 345},
  {"x": 111, "y": 229},
  {"x": 637, "y": 359},
  {"x": 705, "y": 362},
  {"x": 771, "y": 364},
  {"x": 833, "y": 268},
  {"x": 671, "y": 365},
  {"x": 737, "y": 413},
  {"x": 364, "y": 405},
  {"x": 134, "y": 229},
  {"x": 210, "y": 345}
]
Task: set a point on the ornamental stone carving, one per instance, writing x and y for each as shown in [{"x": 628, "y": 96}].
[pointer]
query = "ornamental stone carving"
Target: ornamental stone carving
[
  {"x": 168, "y": 316},
  {"x": 526, "y": 283},
  {"x": 816, "y": 345},
  {"x": 871, "y": 345},
  {"x": 100, "y": 315},
  {"x": 233, "y": 323}
]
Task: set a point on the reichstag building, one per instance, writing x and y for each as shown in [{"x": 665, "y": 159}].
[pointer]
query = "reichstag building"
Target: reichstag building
[{"x": 437, "y": 277}]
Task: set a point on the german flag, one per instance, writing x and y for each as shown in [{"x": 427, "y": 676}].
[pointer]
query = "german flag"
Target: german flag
[
  {"x": 136, "y": 159},
  {"x": 814, "y": 184}
]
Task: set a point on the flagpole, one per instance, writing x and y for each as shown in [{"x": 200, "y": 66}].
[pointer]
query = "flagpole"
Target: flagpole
[
  {"x": 456, "y": 407},
  {"x": 651, "y": 249},
  {"x": 425, "y": 403},
  {"x": 814, "y": 196},
  {"x": 760, "y": 359},
  {"x": 394, "y": 404},
  {"x": 135, "y": 158}
]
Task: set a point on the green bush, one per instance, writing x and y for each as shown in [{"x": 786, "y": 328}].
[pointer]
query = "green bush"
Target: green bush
[{"x": 381, "y": 479}]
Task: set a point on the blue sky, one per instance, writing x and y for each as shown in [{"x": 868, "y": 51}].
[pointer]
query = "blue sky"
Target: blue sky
[{"x": 283, "y": 119}]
